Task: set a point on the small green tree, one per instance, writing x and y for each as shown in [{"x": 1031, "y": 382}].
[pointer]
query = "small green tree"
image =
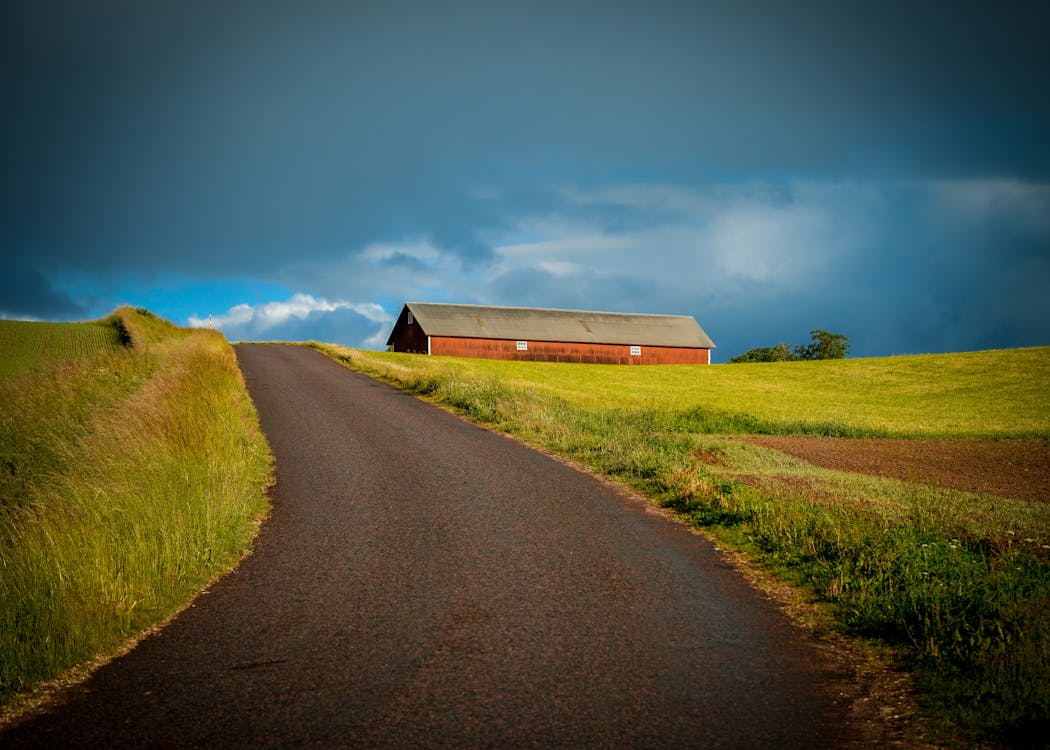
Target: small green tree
[
  {"x": 778, "y": 353},
  {"x": 824, "y": 345}
]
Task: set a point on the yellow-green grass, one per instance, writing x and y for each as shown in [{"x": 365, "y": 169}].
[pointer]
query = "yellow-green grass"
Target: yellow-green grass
[
  {"x": 27, "y": 346},
  {"x": 959, "y": 581},
  {"x": 130, "y": 479},
  {"x": 975, "y": 394}
]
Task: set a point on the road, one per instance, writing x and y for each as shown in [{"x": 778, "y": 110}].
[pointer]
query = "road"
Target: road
[{"x": 422, "y": 582}]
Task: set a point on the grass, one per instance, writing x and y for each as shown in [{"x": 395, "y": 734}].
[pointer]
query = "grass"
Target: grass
[
  {"x": 130, "y": 478},
  {"x": 27, "y": 346},
  {"x": 977, "y": 394},
  {"x": 958, "y": 582}
]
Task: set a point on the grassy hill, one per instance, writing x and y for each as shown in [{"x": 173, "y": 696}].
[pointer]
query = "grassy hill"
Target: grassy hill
[
  {"x": 976, "y": 394},
  {"x": 957, "y": 581},
  {"x": 27, "y": 346},
  {"x": 132, "y": 471}
]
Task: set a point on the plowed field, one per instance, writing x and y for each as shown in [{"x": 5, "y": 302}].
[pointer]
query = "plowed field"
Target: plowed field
[{"x": 1018, "y": 469}]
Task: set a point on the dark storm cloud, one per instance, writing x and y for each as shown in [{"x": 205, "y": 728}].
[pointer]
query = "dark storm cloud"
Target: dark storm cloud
[
  {"x": 281, "y": 142},
  {"x": 899, "y": 267},
  {"x": 26, "y": 293},
  {"x": 931, "y": 277}
]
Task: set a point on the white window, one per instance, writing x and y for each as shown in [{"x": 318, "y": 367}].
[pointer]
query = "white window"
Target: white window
[
  {"x": 410, "y": 318},
  {"x": 523, "y": 346},
  {"x": 636, "y": 351}
]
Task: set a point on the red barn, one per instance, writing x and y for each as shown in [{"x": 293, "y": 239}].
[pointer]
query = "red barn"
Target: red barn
[{"x": 549, "y": 335}]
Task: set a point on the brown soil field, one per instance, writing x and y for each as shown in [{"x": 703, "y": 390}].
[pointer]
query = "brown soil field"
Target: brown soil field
[{"x": 1017, "y": 469}]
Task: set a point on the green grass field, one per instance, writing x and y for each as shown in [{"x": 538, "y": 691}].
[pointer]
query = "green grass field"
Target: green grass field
[
  {"x": 976, "y": 394},
  {"x": 958, "y": 582},
  {"x": 131, "y": 473},
  {"x": 27, "y": 346}
]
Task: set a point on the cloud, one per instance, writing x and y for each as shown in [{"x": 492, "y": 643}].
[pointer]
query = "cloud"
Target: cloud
[
  {"x": 898, "y": 266},
  {"x": 238, "y": 315},
  {"x": 765, "y": 166},
  {"x": 693, "y": 238},
  {"x": 1025, "y": 206},
  {"x": 137, "y": 142},
  {"x": 303, "y": 317},
  {"x": 389, "y": 272},
  {"x": 26, "y": 293}
]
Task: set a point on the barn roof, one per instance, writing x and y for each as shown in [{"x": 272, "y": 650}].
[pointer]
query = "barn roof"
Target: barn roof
[{"x": 540, "y": 324}]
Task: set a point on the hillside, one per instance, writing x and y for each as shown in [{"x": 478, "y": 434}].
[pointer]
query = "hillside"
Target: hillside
[
  {"x": 132, "y": 471},
  {"x": 27, "y": 346},
  {"x": 988, "y": 394}
]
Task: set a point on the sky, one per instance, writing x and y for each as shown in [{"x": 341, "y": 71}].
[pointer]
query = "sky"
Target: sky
[{"x": 299, "y": 170}]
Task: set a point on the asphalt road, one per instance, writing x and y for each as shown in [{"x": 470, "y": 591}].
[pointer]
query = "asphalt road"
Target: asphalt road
[{"x": 422, "y": 582}]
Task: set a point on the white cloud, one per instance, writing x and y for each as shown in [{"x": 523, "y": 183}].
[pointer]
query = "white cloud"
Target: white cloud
[
  {"x": 300, "y": 307},
  {"x": 771, "y": 244},
  {"x": 560, "y": 267},
  {"x": 236, "y": 316},
  {"x": 295, "y": 318},
  {"x": 691, "y": 238}
]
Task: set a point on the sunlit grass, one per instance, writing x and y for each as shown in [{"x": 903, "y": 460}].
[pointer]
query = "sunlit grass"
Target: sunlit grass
[
  {"x": 959, "y": 581},
  {"x": 131, "y": 479},
  {"x": 27, "y": 346},
  {"x": 977, "y": 394}
]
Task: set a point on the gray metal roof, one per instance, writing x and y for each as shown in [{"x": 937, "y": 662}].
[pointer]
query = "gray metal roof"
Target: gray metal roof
[{"x": 577, "y": 326}]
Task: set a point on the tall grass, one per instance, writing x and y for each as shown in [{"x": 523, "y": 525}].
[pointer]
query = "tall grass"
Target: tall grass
[
  {"x": 47, "y": 411},
  {"x": 146, "y": 477},
  {"x": 960, "y": 582}
]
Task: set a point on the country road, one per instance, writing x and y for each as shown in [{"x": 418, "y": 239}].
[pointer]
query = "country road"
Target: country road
[{"x": 422, "y": 582}]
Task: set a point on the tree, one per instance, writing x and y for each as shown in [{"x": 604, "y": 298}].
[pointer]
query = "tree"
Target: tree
[
  {"x": 778, "y": 353},
  {"x": 824, "y": 345}
]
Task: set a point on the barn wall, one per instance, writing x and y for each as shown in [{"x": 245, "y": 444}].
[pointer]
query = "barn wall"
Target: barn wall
[
  {"x": 555, "y": 351},
  {"x": 408, "y": 337}
]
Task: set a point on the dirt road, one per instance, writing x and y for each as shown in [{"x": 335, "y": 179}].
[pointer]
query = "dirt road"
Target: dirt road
[{"x": 422, "y": 582}]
